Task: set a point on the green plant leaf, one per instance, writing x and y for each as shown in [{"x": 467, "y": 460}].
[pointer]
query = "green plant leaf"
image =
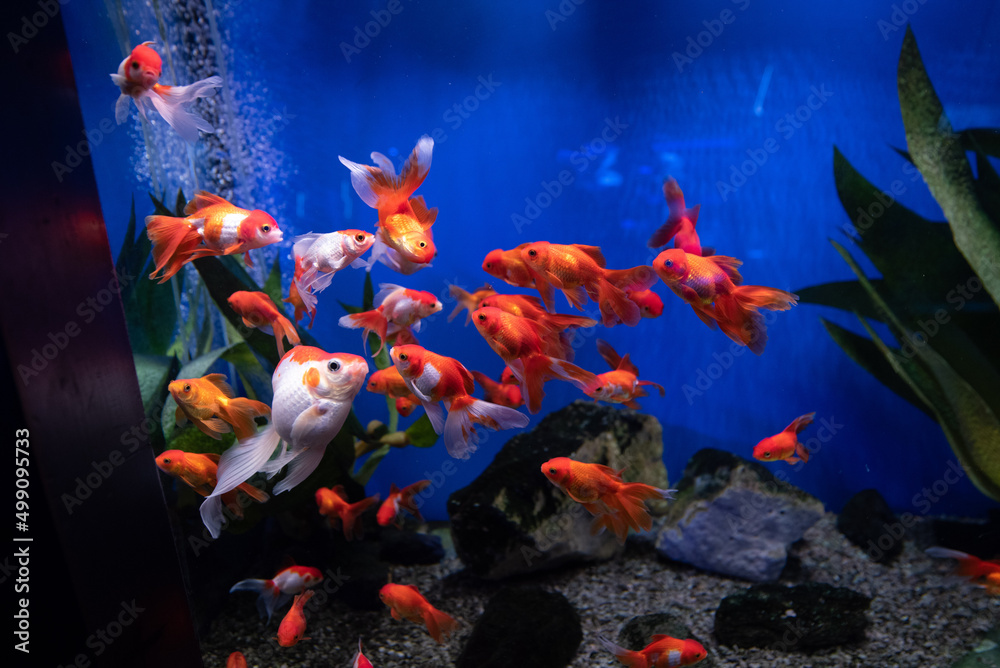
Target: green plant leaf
[
  {"x": 938, "y": 153},
  {"x": 160, "y": 209},
  {"x": 421, "y": 433},
  {"x": 368, "y": 296},
  {"x": 846, "y": 295},
  {"x": 207, "y": 332},
  {"x": 981, "y": 140},
  {"x": 272, "y": 286},
  {"x": 179, "y": 203},
  {"x": 154, "y": 372}
]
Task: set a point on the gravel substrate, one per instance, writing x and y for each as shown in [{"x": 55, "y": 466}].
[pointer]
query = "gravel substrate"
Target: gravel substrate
[{"x": 922, "y": 616}]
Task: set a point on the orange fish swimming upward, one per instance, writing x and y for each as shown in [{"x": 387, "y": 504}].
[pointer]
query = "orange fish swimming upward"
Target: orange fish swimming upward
[
  {"x": 785, "y": 444},
  {"x": 680, "y": 225},
  {"x": 985, "y": 574},
  {"x": 199, "y": 471},
  {"x": 277, "y": 591},
  {"x": 209, "y": 404},
  {"x": 259, "y": 311},
  {"x": 334, "y": 506},
  {"x": 138, "y": 78},
  {"x": 398, "y": 308},
  {"x": 468, "y": 301},
  {"x": 620, "y": 386},
  {"x": 404, "y": 222},
  {"x": 293, "y": 626},
  {"x": 400, "y": 501},
  {"x": 295, "y": 299},
  {"x": 663, "y": 652},
  {"x": 212, "y": 226},
  {"x": 618, "y": 505},
  {"x": 406, "y": 602},
  {"x": 236, "y": 660}
]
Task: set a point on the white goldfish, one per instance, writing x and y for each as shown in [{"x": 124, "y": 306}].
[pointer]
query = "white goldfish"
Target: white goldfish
[{"x": 323, "y": 255}]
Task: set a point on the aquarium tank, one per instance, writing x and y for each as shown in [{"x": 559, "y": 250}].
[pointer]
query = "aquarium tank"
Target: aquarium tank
[{"x": 535, "y": 334}]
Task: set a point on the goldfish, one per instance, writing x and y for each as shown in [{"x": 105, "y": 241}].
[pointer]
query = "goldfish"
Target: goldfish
[
  {"x": 526, "y": 306},
  {"x": 313, "y": 393},
  {"x": 258, "y": 310},
  {"x": 649, "y": 303},
  {"x": 236, "y": 660},
  {"x": 387, "y": 381},
  {"x": 511, "y": 268},
  {"x": 663, "y": 652},
  {"x": 503, "y": 394},
  {"x": 323, "y": 255},
  {"x": 360, "y": 661},
  {"x": 404, "y": 222},
  {"x": 616, "y": 504},
  {"x": 985, "y": 574},
  {"x": 397, "y": 308},
  {"x": 522, "y": 344},
  {"x": 334, "y": 506},
  {"x": 275, "y": 592},
  {"x": 620, "y": 386},
  {"x": 680, "y": 224},
  {"x": 198, "y": 471},
  {"x": 435, "y": 378},
  {"x": 294, "y": 624},
  {"x": 579, "y": 271},
  {"x": 406, "y": 405},
  {"x": 468, "y": 301},
  {"x": 295, "y": 298},
  {"x": 712, "y": 286},
  {"x": 138, "y": 78},
  {"x": 212, "y": 226},
  {"x": 399, "y": 501},
  {"x": 406, "y": 602},
  {"x": 209, "y": 404},
  {"x": 785, "y": 444}
]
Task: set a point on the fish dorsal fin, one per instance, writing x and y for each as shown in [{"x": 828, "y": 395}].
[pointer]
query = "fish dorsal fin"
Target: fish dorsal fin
[
  {"x": 393, "y": 489},
  {"x": 202, "y": 199},
  {"x": 339, "y": 491},
  {"x": 211, "y": 456},
  {"x": 692, "y": 214},
  {"x": 626, "y": 365},
  {"x": 594, "y": 252},
  {"x": 219, "y": 380},
  {"x": 413, "y": 589},
  {"x": 384, "y": 290},
  {"x": 609, "y": 354},
  {"x": 424, "y": 216},
  {"x": 661, "y": 636}
]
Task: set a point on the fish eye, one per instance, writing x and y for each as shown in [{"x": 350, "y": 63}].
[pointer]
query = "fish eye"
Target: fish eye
[
  {"x": 482, "y": 316},
  {"x": 489, "y": 265},
  {"x": 767, "y": 455},
  {"x": 187, "y": 388},
  {"x": 668, "y": 263},
  {"x": 532, "y": 252},
  {"x": 552, "y": 470},
  {"x": 166, "y": 461},
  {"x": 422, "y": 244},
  {"x": 402, "y": 357},
  {"x": 334, "y": 365},
  {"x": 135, "y": 65},
  {"x": 359, "y": 237},
  {"x": 266, "y": 228}
]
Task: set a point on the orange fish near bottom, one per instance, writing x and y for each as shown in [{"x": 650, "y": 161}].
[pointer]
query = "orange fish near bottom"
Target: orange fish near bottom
[
  {"x": 663, "y": 652},
  {"x": 985, "y": 574},
  {"x": 293, "y": 626},
  {"x": 236, "y": 660},
  {"x": 406, "y": 602},
  {"x": 785, "y": 444}
]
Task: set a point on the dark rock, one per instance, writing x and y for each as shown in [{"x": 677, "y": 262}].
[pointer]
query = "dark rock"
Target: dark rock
[
  {"x": 523, "y": 627},
  {"x": 638, "y": 632},
  {"x": 512, "y": 520},
  {"x": 868, "y": 522},
  {"x": 362, "y": 573},
  {"x": 405, "y": 548},
  {"x": 805, "y": 617},
  {"x": 732, "y": 516}
]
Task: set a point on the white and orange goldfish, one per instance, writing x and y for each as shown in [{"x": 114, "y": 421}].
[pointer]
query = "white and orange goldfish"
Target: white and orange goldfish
[
  {"x": 662, "y": 652},
  {"x": 138, "y": 78},
  {"x": 360, "y": 660},
  {"x": 320, "y": 256},
  {"x": 209, "y": 404},
  {"x": 212, "y": 226},
  {"x": 275, "y": 592},
  {"x": 397, "y": 308},
  {"x": 313, "y": 392}
]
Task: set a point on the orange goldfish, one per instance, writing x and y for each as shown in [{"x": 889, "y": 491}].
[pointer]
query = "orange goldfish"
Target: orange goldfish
[
  {"x": 277, "y": 591},
  {"x": 579, "y": 271},
  {"x": 334, "y": 506},
  {"x": 236, "y": 660},
  {"x": 785, "y": 444},
  {"x": 663, "y": 652},
  {"x": 680, "y": 223},
  {"x": 504, "y": 394},
  {"x": 526, "y": 306},
  {"x": 387, "y": 381},
  {"x": 712, "y": 287},
  {"x": 406, "y": 405},
  {"x": 360, "y": 661},
  {"x": 987, "y": 573},
  {"x": 616, "y": 504},
  {"x": 406, "y": 602},
  {"x": 293, "y": 626},
  {"x": 138, "y": 78},
  {"x": 649, "y": 303},
  {"x": 199, "y": 471},
  {"x": 213, "y": 226},
  {"x": 435, "y": 378},
  {"x": 468, "y": 301},
  {"x": 258, "y": 310},
  {"x": 320, "y": 256},
  {"x": 295, "y": 298},
  {"x": 397, "y": 308},
  {"x": 209, "y": 404},
  {"x": 621, "y": 386},
  {"x": 404, "y": 222},
  {"x": 511, "y": 268},
  {"x": 521, "y": 343},
  {"x": 400, "y": 501}
]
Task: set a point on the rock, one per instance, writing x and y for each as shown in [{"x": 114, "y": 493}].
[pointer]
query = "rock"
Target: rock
[
  {"x": 406, "y": 548},
  {"x": 733, "y": 517},
  {"x": 984, "y": 655},
  {"x": 364, "y": 574},
  {"x": 638, "y": 632},
  {"x": 868, "y": 522},
  {"x": 526, "y": 627},
  {"x": 805, "y": 617},
  {"x": 512, "y": 520}
]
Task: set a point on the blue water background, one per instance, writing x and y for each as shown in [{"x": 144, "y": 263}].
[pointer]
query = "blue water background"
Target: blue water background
[{"x": 559, "y": 80}]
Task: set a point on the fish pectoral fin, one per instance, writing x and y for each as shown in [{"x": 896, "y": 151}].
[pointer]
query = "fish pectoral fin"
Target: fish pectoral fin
[
  {"x": 216, "y": 425},
  {"x": 179, "y": 417}
]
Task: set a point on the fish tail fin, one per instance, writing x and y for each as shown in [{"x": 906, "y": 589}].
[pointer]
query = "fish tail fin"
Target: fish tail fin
[
  {"x": 169, "y": 102},
  {"x": 284, "y": 329},
  {"x": 254, "y": 493},
  {"x": 616, "y": 306},
  {"x": 801, "y": 451},
  {"x": 464, "y": 412},
  {"x": 534, "y": 372},
  {"x": 630, "y": 501},
  {"x": 380, "y": 187},
  {"x": 800, "y": 423},
  {"x": 371, "y": 321},
  {"x": 758, "y": 296},
  {"x": 353, "y": 528},
  {"x": 242, "y": 460},
  {"x": 743, "y": 325},
  {"x": 629, "y": 658},
  {"x": 439, "y": 623},
  {"x": 240, "y": 413},
  {"x": 173, "y": 240},
  {"x": 303, "y": 463},
  {"x": 968, "y": 565},
  {"x": 295, "y": 299}
]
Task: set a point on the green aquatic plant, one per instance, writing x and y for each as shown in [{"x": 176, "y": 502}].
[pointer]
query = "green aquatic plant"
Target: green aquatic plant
[{"x": 940, "y": 281}]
